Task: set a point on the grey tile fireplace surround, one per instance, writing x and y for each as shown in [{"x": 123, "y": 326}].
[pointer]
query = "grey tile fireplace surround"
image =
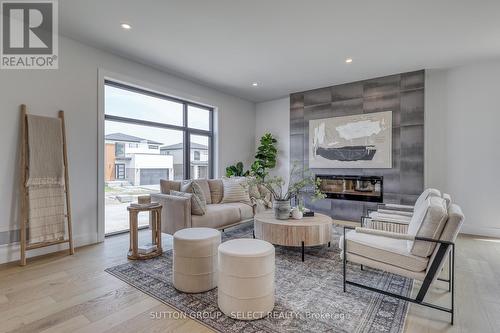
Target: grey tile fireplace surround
[{"x": 403, "y": 94}]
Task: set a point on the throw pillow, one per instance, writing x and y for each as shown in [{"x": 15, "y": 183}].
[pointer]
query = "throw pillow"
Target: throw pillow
[
  {"x": 235, "y": 190},
  {"x": 201, "y": 202},
  {"x": 266, "y": 196},
  {"x": 198, "y": 201},
  {"x": 205, "y": 188},
  {"x": 216, "y": 190},
  {"x": 253, "y": 191}
]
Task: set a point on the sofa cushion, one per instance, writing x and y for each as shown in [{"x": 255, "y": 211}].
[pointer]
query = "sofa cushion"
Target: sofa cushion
[
  {"x": 167, "y": 185},
  {"x": 384, "y": 249},
  {"x": 217, "y": 216},
  {"x": 428, "y": 221},
  {"x": 216, "y": 190},
  {"x": 235, "y": 190},
  {"x": 447, "y": 198},
  {"x": 454, "y": 224},
  {"x": 427, "y": 193},
  {"x": 246, "y": 210}
]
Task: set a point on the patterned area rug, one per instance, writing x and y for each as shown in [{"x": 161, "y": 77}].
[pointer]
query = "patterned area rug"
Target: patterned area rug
[{"x": 309, "y": 296}]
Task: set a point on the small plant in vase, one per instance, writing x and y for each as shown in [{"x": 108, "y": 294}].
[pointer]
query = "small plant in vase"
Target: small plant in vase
[{"x": 282, "y": 193}]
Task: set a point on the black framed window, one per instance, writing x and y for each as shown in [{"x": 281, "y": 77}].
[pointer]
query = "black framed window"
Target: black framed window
[
  {"x": 120, "y": 171},
  {"x": 176, "y": 127},
  {"x": 119, "y": 149}
]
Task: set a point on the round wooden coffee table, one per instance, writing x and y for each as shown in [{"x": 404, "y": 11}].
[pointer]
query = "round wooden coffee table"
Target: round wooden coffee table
[{"x": 309, "y": 231}]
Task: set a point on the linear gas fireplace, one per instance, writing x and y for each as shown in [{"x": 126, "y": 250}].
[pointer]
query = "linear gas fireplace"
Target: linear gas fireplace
[{"x": 358, "y": 188}]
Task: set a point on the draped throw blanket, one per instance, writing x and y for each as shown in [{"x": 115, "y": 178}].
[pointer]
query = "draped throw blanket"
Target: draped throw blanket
[
  {"x": 45, "y": 151},
  {"x": 46, "y": 197},
  {"x": 46, "y": 216}
]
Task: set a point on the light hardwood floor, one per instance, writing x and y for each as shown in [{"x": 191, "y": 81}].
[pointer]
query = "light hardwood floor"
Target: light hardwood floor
[{"x": 60, "y": 293}]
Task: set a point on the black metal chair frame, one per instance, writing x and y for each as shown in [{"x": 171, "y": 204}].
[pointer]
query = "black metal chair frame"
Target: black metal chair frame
[{"x": 429, "y": 277}]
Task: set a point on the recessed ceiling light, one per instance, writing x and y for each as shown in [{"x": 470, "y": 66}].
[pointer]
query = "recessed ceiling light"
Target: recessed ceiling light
[
  {"x": 348, "y": 60},
  {"x": 255, "y": 84},
  {"x": 126, "y": 26}
]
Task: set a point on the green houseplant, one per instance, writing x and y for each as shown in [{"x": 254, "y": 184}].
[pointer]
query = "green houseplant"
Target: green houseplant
[
  {"x": 236, "y": 170},
  {"x": 266, "y": 156},
  {"x": 265, "y": 159}
]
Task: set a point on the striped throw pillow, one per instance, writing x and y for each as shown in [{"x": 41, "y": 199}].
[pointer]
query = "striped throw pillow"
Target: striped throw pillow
[{"x": 235, "y": 190}]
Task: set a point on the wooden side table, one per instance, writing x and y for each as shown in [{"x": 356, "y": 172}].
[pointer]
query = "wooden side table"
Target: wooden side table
[{"x": 155, "y": 212}]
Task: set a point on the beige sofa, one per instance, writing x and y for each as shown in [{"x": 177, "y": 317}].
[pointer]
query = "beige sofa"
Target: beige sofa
[{"x": 176, "y": 211}]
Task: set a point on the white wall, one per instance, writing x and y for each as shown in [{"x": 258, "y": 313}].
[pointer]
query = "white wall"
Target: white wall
[
  {"x": 274, "y": 117},
  {"x": 152, "y": 161},
  {"x": 74, "y": 89},
  {"x": 463, "y": 141}
]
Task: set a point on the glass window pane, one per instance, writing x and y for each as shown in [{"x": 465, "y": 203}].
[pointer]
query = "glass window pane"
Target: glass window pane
[
  {"x": 119, "y": 149},
  {"x": 129, "y": 104},
  {"x": 136, "y": 158},
  {"x": 199, "y": 157},
  {"x": 198, "y": 118}
]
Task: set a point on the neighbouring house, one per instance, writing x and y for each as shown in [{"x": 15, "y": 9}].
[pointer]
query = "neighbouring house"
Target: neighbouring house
[
  {"x": 136, "y": 160},
  {"x": 198, "y": 159}
]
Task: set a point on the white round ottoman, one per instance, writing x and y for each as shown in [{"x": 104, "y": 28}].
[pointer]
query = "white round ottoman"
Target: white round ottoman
[
  {"x": 246, "y": 278},
  {"x": 195, "y": 259}
]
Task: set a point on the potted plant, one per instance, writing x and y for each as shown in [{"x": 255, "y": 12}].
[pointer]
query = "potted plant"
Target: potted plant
[
  {"x": 236, "y": 170},
  {"x": 266, "y": 156},
  {"x": 282, "y": 193},
  {"x": 265, "y": 159}
]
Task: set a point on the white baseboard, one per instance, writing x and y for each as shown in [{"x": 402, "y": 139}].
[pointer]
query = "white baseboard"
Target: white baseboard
[
  {"x": 481, "y": 231},
  {"x": 11, "y": 252}
]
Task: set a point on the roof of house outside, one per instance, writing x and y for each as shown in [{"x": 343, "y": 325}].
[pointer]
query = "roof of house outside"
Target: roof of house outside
[
  {"x": 180, "y": 145},
  {"x": 128, "y": 138}
]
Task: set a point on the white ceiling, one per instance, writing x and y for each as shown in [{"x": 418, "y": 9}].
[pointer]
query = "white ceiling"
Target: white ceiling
[{"x": 287, "y": 45}]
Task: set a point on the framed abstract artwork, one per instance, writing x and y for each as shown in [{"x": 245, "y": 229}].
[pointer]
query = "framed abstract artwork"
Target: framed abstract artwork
[{"x": 359, "y": 141}]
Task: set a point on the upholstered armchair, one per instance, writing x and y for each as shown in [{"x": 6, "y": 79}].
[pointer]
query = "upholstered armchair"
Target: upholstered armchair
[
  {"x": 408, "y": 209},
  {"x": 396, "y": 218},
  {"x": 420, "y": 253}
]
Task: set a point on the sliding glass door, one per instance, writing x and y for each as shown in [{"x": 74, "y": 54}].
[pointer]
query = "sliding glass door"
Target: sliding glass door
[{"x": 149, "y": 137}]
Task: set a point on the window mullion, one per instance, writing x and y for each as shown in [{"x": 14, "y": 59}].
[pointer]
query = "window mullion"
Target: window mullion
[
  {"x": 186, "y": 130},
  {"x": 187, "y": 139}
]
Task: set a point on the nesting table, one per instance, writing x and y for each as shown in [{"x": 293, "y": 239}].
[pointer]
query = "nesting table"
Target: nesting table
[{"x": 309, "y": 231}]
